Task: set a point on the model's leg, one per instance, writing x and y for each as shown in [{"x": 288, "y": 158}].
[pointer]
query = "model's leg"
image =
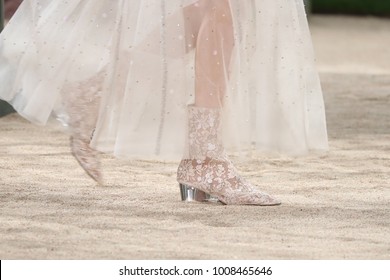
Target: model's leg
[
  {"x": 82, "y": 101},
  {"x": 207, "y": 167},
  {"x": 214, "y": 47}
]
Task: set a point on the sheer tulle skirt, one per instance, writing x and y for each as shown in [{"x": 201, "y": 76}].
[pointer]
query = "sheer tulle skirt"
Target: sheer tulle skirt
[{"x": 128, "y": 67}]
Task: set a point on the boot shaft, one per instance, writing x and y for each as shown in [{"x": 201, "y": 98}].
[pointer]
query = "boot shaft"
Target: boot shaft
[{"x": 204, "y": 133}]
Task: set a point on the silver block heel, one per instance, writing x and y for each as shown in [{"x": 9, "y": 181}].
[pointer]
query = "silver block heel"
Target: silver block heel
[{"x": 191, "y": 194}]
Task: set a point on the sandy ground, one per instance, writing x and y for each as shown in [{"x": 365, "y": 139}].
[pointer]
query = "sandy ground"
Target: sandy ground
[{"x": 335, "y": 206}]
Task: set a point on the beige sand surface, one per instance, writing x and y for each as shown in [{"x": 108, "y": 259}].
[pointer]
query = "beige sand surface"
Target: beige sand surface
[{"x": 335, "y": 206}]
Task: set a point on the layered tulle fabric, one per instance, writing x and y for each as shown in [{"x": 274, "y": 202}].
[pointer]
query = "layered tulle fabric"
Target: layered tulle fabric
[{"x": 129, "y": 68}]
